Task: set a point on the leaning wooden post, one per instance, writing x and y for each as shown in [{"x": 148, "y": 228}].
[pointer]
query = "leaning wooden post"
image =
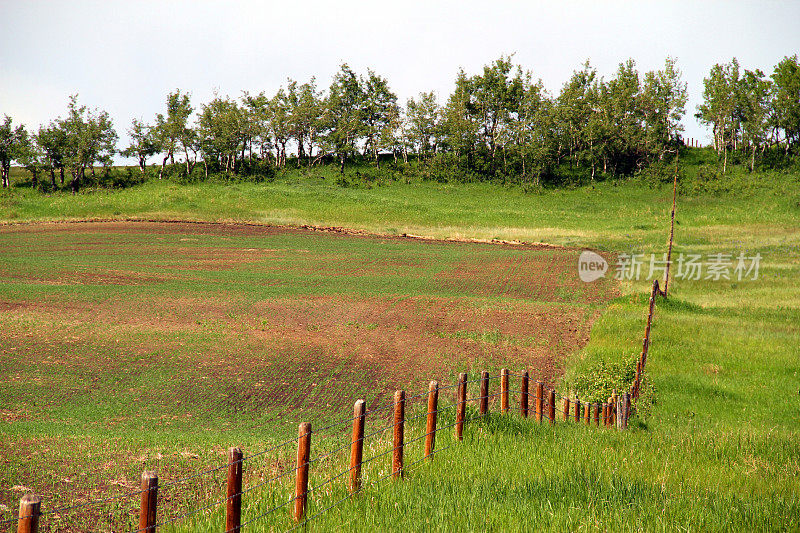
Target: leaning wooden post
[
  {"x": 551, "y": 407},
  {"x": 504, "y": 391},
  {"x": 484, "y": 403},
  {"x": 539, "y": 401},
  {"x": 565, "y": 408},
  {"x": 523, "y": 395},
  {"x": 357, "y": 445},
  {"x": 233, "y": 509},
  {"x": 301, "y": 479},
  {"x": 147, "y": 508},
  {"x": 399, "y": 422},
  {"x": 30, "y": 508},
  {"x": 430, "y": 427},
  {"x": 461, "y": 404}
]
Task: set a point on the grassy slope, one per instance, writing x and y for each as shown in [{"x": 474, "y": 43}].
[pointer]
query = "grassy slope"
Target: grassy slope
[{"x": 720, "y": 450}]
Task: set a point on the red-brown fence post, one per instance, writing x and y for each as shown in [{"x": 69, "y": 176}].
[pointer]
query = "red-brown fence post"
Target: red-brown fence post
[
  {"x": 147, "y": 507},
  {"x": 430, "y": 427},
  {"x": 399, "y": 423},
  {"x": 551, "y": 407},
  {"x": 504, "y": 391},
  {"x": 577, "y": 403},
  {"x": 523, "y": 394},
  {"x": 233, "y": 509},
  {"x": 539, "y": 401},
  {"x": 30, "y": 508},
  {"x": 357, "y": 445},
  {"x": 596, "y": 407},
  {"x": 587, "y": 413},
  {"x": 565, "y": 408},
  {"x": 461, "y": 404},
  {"x": 301, "y": 479},
  {"x": 484, "y": 403}
]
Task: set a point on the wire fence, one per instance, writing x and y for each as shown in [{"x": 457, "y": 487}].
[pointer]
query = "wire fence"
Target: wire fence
[{"x": 389, "y": 441}]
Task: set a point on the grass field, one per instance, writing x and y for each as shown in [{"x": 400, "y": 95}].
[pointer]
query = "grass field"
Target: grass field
[{"x": 718, "y": 452}]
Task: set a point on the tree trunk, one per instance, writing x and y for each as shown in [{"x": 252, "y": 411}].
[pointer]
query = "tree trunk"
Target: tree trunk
[
  {"x": 61, "y": 171},
  {"x": 5, "y": 172},
  {"x": 142, "y": 164},
  {"x": 53, "y": 177},
  {"x": 76, "y": 173},
  {"x": 163, "y": 164},
  {"x": 35, "y": 180}
]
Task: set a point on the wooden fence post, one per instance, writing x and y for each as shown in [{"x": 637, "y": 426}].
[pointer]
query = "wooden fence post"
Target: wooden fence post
[
  {"x": 233, "y": 509},
  {"x": 461, "y": 404},
  {"x": 430, "y": 427},
  {"x": 596, "y": 413},
  {"x": 523, "y": 395},
  {"x": 623, "y": 411},
  {"x": 565, "y": 408},
  {"x": 147, "y": 508},
  {"x": 484, "y": 403},
  {"x": 357, "y": 445},
  {"x": 577, "y": 403},
  {"x": 504, "y": 391},
  {"x": 539, "y": 401},
  {"x": 301, "y": 479},
  {"x": 30, "y": 508},
  {"x": 399, "y": 423},
  {"x": 587, "y": 413},
  {"x": 551, "y": 407},
  {"x": 605, "y": 413}
]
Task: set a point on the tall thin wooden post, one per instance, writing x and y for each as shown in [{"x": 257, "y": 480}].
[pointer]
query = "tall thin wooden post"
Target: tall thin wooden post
[
  {"x": 539, "y": 404},
  {"x": 565, "y": 408},
  {"x": 504, "y": 391},
  {"x": 233, "y": 509},
  {"x": 596, "y": 408},
  {"x": 147, "y": 507},
  {"x": 357, "y": 445},
  {"x": 430, "y": 427},
  {"x": 523, "y": 394},
  {"x": 461, "y": 404},
  {"x": 30, "y": 508},
  {"x": 399, "y": 423},
  {"x": 551, "y": 407},
  {"x": 577, "y": 403},
  {"x": 301, "y": 479},
  {"x": 587, "y": 413},
  {"x": 484, "y": 402}
]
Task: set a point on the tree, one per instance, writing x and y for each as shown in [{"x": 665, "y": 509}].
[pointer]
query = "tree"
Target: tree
[
  {"x": 143, "y": 143},
  {"x": 255, "y": 118},
  {"x": 280, "y": 125},
  {"x": 52, "y": 139},
  {"x": 13, "y": 143},
  {"x": 221, "y": 132},
  {"x": 380, "y": 113},
  {"x": 423, "y": 117},
  {"x": 459, "y": 127},
  {"x": 719, "y": 106},
  {"x": 786, "y": 103},
  {"x": 304, "y": 115},
  {"x": 344, "y": 115},
  {"x": 89, "y": 138},
  {"x": 755, "y": 108},
  {"x": 532, "y": 130},
  {"x": 574, "y": 107},
  {"x": 663, "y": 103},
  {"x": 172, "y": 132}
]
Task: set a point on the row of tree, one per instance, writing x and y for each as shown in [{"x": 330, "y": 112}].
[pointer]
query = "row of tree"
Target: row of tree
[
  {"x": 499, "y": 123},
  {"x": 748, "y": 111}
]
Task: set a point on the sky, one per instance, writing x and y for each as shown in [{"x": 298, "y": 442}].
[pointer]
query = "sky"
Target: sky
[{"x": 124, "y": 57}]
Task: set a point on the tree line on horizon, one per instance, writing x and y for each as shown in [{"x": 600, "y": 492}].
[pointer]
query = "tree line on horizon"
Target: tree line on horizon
[{"x": 499, "y": 124}]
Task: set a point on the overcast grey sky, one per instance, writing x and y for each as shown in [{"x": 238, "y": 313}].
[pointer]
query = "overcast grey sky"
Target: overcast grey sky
[{"x": 125, "y": 56}]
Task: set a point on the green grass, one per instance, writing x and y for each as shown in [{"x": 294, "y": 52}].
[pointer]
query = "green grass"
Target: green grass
[{"x": 719, "y": 449}]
